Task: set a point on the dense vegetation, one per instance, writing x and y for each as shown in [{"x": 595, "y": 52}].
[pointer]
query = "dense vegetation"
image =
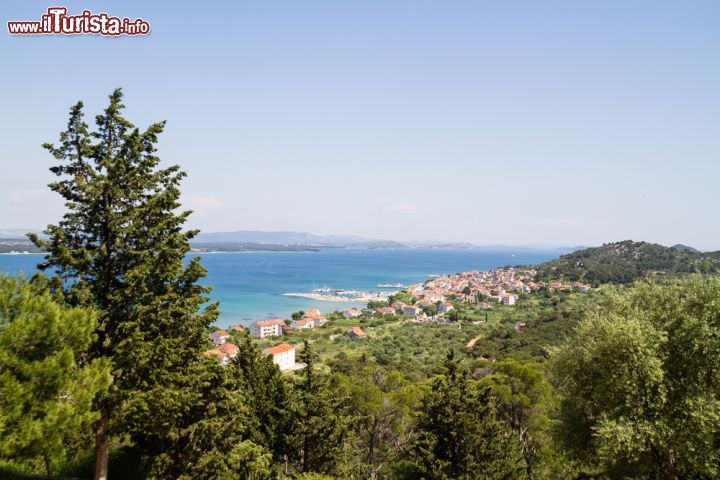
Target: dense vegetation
[
  {"x": 102, "y": 371},
  {"x": 624, "y": 262}
]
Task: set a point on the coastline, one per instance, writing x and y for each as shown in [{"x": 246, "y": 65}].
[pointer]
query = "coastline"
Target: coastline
[
  {"x": 334, "y": 298},
  {"x": 23, "y": 253}
]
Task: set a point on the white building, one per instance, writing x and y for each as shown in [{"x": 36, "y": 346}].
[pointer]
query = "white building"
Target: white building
[
  {"x": 303, "y": 323},
  {"x": 283, "y": 355},
  {"x": 445, "y": 307},
  {"x": 266, "y": 328},
  {"x": 222, "y": 357},
  {"x": 508, "y": 299},
  {"x": 219, "y": 336},
  {"x": 411, "y": 311},
  {"x": 351, "y": 313}
]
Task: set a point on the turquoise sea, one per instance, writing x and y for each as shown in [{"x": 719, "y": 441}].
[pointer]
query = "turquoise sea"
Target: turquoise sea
[{"x": 250, "y": 285}]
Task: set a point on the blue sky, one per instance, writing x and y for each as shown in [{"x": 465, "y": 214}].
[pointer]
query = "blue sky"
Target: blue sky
[{"x": 489, "y": 122}]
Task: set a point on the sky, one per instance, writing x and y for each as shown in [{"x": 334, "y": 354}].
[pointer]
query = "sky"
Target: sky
[{"x": 513, "y": 122}]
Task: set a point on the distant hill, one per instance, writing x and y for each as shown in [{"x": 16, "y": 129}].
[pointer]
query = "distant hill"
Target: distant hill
[
  {"x": 17, "y": 245},
  {"x": 623, "y": 262},
  {"x": 294, "y": 238},
  {"x": 199, "y": 247},
  {"x": 684, "y": 248}
]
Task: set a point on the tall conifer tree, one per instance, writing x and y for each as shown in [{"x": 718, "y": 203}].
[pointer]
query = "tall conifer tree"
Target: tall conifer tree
[
  {"x": 47, "y": 386},
  {"x": 459, "y": 436},
  {"x": 120, "y": 248}
]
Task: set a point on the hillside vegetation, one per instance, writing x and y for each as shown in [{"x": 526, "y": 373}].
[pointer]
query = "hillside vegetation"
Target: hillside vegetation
[{"x": 623, "y": 262}]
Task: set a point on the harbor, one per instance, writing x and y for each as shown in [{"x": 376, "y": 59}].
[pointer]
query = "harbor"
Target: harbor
[{"x": 339, "y": 295}]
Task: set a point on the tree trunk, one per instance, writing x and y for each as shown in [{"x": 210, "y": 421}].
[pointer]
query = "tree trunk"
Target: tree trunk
[
  {"x": 46, "y": 457},
  {"x": 101, "y": 449}
]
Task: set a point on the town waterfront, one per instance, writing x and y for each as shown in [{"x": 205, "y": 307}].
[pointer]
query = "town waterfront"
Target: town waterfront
[{"x": 251, "y": 285}]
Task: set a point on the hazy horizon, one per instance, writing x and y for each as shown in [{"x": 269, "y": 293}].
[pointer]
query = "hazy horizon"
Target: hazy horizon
[
  {"x": 518, "y": 123},
  {"x": 18, "y": 234}
]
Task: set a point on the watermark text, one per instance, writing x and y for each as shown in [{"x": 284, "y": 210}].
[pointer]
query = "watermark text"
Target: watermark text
[{"x": 56, "y": 21}]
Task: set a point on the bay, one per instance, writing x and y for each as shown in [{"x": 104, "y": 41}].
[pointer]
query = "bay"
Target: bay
[{"x": 250, "y": 285}]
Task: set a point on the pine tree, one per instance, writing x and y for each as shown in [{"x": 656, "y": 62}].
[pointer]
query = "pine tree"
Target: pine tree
[
  {"x": 320, "y": 428},
  {"x": 459, "y": 436},
  {"x": 120, "y": 248},
  {"x": 269, "y": 398},
  {"x": 47, "y": 386},
  {"x": 217, "y": 437}
]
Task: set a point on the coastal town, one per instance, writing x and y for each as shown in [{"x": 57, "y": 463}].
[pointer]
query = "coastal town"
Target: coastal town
[{"x": 436, "y": 300}]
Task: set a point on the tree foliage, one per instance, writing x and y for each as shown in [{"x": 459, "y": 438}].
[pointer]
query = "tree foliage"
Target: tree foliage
[
  {"x": 381, "y": 405},
  {"x": 459, "y": 436},
  {"x": 120, "y": 249},
  {"x": 641, "y": 379},
  {"x": 624, "y": 262},
  {"x": 320, "y": 428},
  {"x": 47, "y": 384}
]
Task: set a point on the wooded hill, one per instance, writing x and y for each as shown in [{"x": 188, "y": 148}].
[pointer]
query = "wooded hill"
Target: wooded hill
[{"x": 623, "y": 262}]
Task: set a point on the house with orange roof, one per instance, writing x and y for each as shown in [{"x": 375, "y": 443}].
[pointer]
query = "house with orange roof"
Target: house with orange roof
[
  {"x": 221, "y": 356},
  {"x": 302, "y": 324},
  {"x": 398, "y": 306},
  {"x": 434, "y": 297},
  {"x": 267, "y": 328},
  {"x": 314, "y": 314},
  {"x": 355, "y": 332},
  {"x": 219, "y": 336},
  {"x": 283, "y": 355},
  {"x": 237, "y": 328},
  {"x": 229, "y": 349}
]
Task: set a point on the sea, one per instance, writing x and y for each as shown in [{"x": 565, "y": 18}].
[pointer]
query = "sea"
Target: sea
[{"x": 251, "y": 285}]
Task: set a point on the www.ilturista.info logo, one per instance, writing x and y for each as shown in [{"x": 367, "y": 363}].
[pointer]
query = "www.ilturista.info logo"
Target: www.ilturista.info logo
[{"x": 57, "y": 22}]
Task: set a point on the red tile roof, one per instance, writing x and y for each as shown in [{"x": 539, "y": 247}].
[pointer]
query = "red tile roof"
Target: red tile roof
[
  {"x": 268, "y": 323},
  {"x": 357, "y": 331},
  {"x": 282, "y": 348},
  {"x": 229, "y": 348}
]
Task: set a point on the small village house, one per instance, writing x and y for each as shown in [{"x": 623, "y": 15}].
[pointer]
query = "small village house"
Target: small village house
[
  {"x": 303, "y": 324},
  {"x": 398, "y": 306},
  {"x": 445, "y": 307},
  {"x": 411, "y": 310},
  {"x": 386, "y": 311},
  {"x": 221, "y": 356},
  {"x": 425, "y": 303},
  {"x": 219, "y": 336},
  {"x": 267, "y": 328},
  {"x": 355, "y": 333},
  {"x": 314, "y": 314},
  {"x": 283, "y": 355},
  {"x": 229, "y": 349}
]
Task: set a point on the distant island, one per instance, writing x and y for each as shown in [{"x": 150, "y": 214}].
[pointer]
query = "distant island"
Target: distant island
[{"x": 14, "y": 241}]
